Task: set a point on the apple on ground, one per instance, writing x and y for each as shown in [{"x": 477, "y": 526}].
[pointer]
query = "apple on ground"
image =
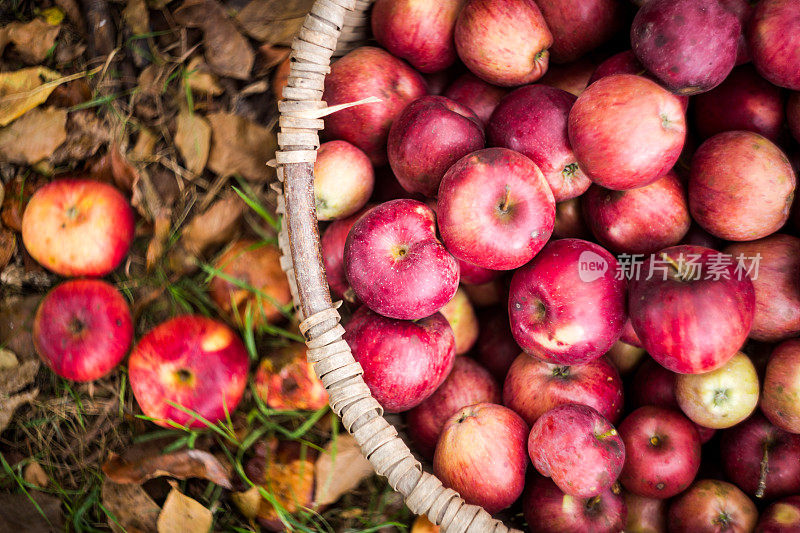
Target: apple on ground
[
  {"x": 463, "y": 321},
  {"x": 481, "y": 455},
  {"x": 83, "y": 329},
  {"x": 645, "y": 515},
  {"x": 343, "y": 180},
  {"x": 741, "y": 186},
  {"x": 711, "y": 506},
  {"x": 663, "y": 308},
  {"x": 332, "y": 249},
  {"x": 368, "y": 71},
  {"x": 721, "y": 398},
  {"x": 285, "y": 381},
  {"x": 569, "y": 221},
  {"x": 533, "y": 387},
  {"x": 78, "y": 227},
  {"x": 567, "y": 306},
  {"x": 579, "y": 449},
  {"x": 772, "y": 38},
  {"x": 780, "y": 400},
  {"x": 504, "y": 42},
  {"x": 549, "y": 510},
  {"x": 185, "y": 366},
  {"x": 468, "y": 383},
  {"x": 404, "y": 362},
  {"x": 782, "y": 516},
  {"x": 396, "y": 265},
  {"x": 495, "y": 209},
  {"x": 495, "y": 348},
  {"x": 476, "y": 94},
  {"x": 643, "y": 131},
  {"x": 255, "y": 264},
  {"x": 625, "y": 357}
]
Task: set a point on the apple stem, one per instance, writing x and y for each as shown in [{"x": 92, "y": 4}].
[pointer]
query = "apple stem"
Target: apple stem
[
  {"x": 504, "y": 205},
  {"x": 762, "y": 475},
  {"x": 610, "y": 433}
]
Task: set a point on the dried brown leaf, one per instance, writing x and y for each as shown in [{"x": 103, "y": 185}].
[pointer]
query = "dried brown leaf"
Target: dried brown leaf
[
  {"x": 162, "y": 228},
  {"x": 270, "y": 56},
  {"x": 273, "y": 21},
  {"x": 145, "y": 145},
  {"x": 193, "y": 140},
  {"x": 248, "y": 502},
  {"x": 86, "y": 134},
  {"x": 22, "y": 90},
  {"x": 136, "y": 16},
  {"x": 8, "y": 245},
  {"x": 200, "y": 79},
  {"x": 16, "y": 324},
  {"x": 215, "y": 226},
  {"x": 122, "y": 171},
  {"x": 20, "y": 191},
  {"x": 184, "y": 464},
  {"x": 34, "y": 136},
  {"x": 35, "y": 475},
  {"x": 339, "y": 470},
  {"x": 423, "y": 525},
  {"x": 18, "y": 513},
  {"x": 132, "y": 508},
  {"x": 239, "y": 146},
  {"x": 12, "y": 380},
  {"x": 32, "y": 40},
  {"x": 182, "y": 514}
]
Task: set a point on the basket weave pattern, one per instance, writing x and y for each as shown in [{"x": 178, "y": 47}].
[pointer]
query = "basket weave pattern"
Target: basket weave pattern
[{"x": 331, "y": 29}]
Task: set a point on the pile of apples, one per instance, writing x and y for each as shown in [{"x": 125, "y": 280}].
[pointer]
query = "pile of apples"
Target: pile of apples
[{"x": 626, "y": 249}]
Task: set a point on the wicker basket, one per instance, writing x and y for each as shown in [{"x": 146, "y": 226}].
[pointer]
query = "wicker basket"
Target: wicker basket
[{"x": 333, "y": 28}]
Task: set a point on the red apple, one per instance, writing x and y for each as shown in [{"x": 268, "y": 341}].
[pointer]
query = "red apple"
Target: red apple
[
  {"x": 476, "y": 94},
  {"x": 496, "y": 348},
  {"x": 481, "y": 454},
  {"x": 569, "y": 221},
  {"x": 780, "y": 400},
  {"x": 741, "y": 186},
  {"x": 663, "y": 303},
  {"x": 776, "y": 284},
  {"x": 567, "y": 306},
  {"x": 772, "y": 36},
  {"x": 654, "y": 385},
  {"x": 579, "y": 449},
  {"x": 645, "y": 515},
  {"x": 495, "y": 209},
  {"x": 580, "y": 26},
  {"x": 419, "y": 32},
  {"x": 532, "y": 120},
  {"x": 468, "y": 383},
  {"x": 638, "y": 221},
  {"x": 548, "y": 510},
  {"x": 431, "y": 134},
  {"x": 186, "y": 368},
  {"x": 504, "y": 42},
  {"x": 572, "y": 77},
  {"x": 743, "y": 9},
  {"x": 404, "y": 362},
  {"x": 793, "y": 114},
  {"x": 83, "y": 329},
  {"x": 700, "y": 237},
  {"x": 343, "y": 180},
  {"x": 744, "y": 101},
  {"x": 643, "y": 131},
  {"x": 662, "y": 450},
  {"x": 365, "y": 72},
  {"x": 462, "y": 319},
  {"x": 332, "y": 247},
  {"x": 476, "y": 275},
  {"x": 78, "y": 227},
  {"x": 629, "y": 336},
  {"x": 762, "y": 460},
  {"x": 285, "y": 380},
  {"x": 533, "y": 387},
  {"x": 711, "y": 506},
  {"x": 781, "y": 517},
  {"x": 396, "y": 265}
]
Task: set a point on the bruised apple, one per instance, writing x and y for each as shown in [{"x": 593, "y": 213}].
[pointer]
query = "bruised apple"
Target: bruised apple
[{"x": 285, "y": 380}]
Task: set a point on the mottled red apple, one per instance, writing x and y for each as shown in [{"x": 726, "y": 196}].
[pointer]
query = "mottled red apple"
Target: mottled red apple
[
  {"x": 712, "y": 506},
  {"x": 780, "y": 400},
  {"x": 476, "y": 94},
  {"x": 549, "y": 510},
  {"x": 772, "y": 36},
  {"x": 580, "y": 26}
]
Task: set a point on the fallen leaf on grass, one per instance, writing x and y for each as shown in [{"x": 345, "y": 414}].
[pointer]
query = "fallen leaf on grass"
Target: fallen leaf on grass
[
  {"x": 18, "y": 513},
  {"x": 181, "y": 465},
  {"x": 16, "y": 198},
  {"x": 423, "y": 525},
  {"x": 35, "y": 475},
  {"x": 12, "y": 380},
  {"x": 86, "y": 134},
  {"x": 162, "y": 229},
  {"x": 215, "y": 226},
  {"x": 239, "y": 146},
  {"x": 339, "y": 470},
  {"x": 136, "y": 17},
  {"x": 227, "y": 52},
  {"x": 133, "y": 510},
  {"x": 200, "y": 80},
  {"x": 193, "y": 139},
  {"x": 16, "y": 324},
  {"x": 248, "y": 502},
  {"x": 274, "y": 21},
  {"x": 34, "y": 136},
  {"x": 22, "y": 90},
  {"x": 32, "y": 41},
  {"x": 270, "y": 56},
  {"x": 182, "y": 514},
  {"x": 8, "y": 245}
]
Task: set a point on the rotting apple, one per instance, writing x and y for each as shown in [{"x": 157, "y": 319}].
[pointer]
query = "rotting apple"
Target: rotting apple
[
  {"x": 782, "y": 516},
  {"x": 285, "y": 380}
]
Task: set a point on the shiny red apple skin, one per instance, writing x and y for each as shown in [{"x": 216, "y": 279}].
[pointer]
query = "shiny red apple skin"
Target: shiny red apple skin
[
  {"x": 332, "y": 248},
  {"x": 653, "y": 385},
  {"x": 662, "y": 451},
  {"x": 741, "y": 186},
  {"x": 468, "y": 383},
  {"x": 532, "y": 120},
  {"x": 782, "y": 516},
  {"x": 476, "y": 275},
  {"x": 533, "y": 387},
  {"x": 663, "y": 310},
  {"x": 629, "y": 336},
  {"x": 569, "y": 221},
  {"x": 761, "y": 459},
  {"x": 643, "y": 131},
  {"x": 690, "y": 45},
  {"x": 645, "y": 515},
  {"x": 780, "y": 398},
  {"x": 579, "y": 449},
  {"x": 496, "y": 348},
  {"x": 83, "y": 329},
  {"x": 638, "y": 221},
  {"x": 772, "y": 37},
  {"x": 744, "y": 101},
  {"x": 192, "y": 362},
  {"x": 503, "y": 42},
  {"x": 548, "y": 510},
  {"x": 476, "y": 94},
  {"x": 396, "y": 265},
  {"x": 404, "y": 362},
  {"x": 563, "y": 314},
  {"x": 712, "y": 506},
  {"x": 364, "y": 72},
  {"x": 580, "y": 26},
  {"x": 78, "y": 227},
  {"x": 419, "y": 32},
  {"x": 793, "y": 115},
  {"x": 495, "y": 209},
  {"x": 431, "y": 134},
  {"x": 481, "y": 454},
  {"x": 777, "y": 289}
]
